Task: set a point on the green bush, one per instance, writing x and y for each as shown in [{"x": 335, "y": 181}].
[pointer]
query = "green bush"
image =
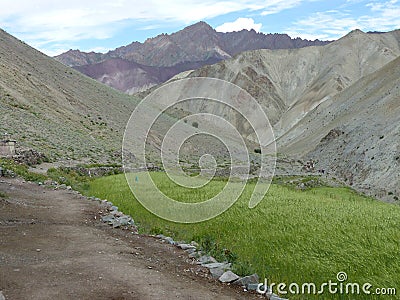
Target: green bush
[{"x": 21, "y": 170}]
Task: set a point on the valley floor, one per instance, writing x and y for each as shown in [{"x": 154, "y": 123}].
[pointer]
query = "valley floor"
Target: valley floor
[{"x": 52, "y": 245}]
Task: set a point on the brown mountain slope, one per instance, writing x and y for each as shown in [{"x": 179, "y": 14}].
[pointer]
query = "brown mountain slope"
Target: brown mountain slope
[
  {"x": 55, "y": 109},
  {"x": 290, "y": 83},
  {"x": 190, "y": 48},
  {"x": 356, "y": 134},
  {"x": 337, "y": 104},
  {"x": 130, "y": 77}
]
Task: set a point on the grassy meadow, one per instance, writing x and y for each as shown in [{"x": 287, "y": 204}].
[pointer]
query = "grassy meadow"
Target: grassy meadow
[{"x": 291, "y": 236}]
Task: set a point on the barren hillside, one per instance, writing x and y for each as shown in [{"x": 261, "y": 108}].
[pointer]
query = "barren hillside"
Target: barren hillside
[
  {"x": 55, "y": 109},
  {"x": 350, "y": 86}
]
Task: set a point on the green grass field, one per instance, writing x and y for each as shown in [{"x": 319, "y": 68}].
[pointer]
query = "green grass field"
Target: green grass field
[{"x": 291, "y": 236}]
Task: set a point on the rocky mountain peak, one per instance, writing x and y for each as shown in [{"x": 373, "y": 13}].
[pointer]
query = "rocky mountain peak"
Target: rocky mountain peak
[
  {"x": 195, "y": 45},
  {"x": 199, "y": 26}
]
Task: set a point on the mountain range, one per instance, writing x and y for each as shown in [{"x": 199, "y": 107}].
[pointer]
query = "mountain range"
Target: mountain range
[{"x": 138, "y": 66}]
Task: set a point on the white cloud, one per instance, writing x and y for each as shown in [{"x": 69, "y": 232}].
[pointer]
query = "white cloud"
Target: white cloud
[
  {"x": 383, "y": 16},
  {"x": 239, "y": 24},
  {"x": 276, "y": 6},
  {"x": 51, "y": 25},
  {"x": 42, "y": 22}
]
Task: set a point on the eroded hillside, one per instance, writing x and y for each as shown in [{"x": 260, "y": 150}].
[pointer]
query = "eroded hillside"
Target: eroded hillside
[{"x": 55, "y": 109}]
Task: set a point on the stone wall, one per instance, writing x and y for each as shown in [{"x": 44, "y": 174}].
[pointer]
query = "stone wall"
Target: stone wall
[{"x": 7, "y": 148}]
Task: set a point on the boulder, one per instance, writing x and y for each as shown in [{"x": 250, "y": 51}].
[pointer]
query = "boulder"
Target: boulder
[
  {"x": 170, "y": 240},
  {"x": 252, "y": 286},
  {"x": 275, "y": 297},
  {"x": 228, "y": 277},
  {"x": 193, "y": 243},
  {"x": 245, "y": 281},
  {"x": 195, "y": 254},
  {"x": 216, "y": 272},
  {"x": 206, "y": 259},
  {"x": 125, "y": 220},
  {"x": 108, "y": 218},
  {"x": 214, "y": 265},
  {"x": 115, "y": 223},
  {"x": 190, "y": 251},
  {"x": 186, "y": 246}
]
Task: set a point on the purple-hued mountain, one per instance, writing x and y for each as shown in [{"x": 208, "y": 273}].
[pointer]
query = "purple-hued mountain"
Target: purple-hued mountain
[{"x": 138, "y": 66}]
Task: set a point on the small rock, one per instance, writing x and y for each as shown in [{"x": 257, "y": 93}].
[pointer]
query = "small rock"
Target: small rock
[
  {"x": 252, "y": 286},
  {"x": 108, "y": 218},
  {"x": 115, "y": 223},
  {"x": 276, "y": 297},
  {"x": 114, "y": 208},
  {"x": 228, "y": 277},
  {"x": 160, "y": 236},
  {"x": 186, "y": 246},
  {"x": 190, "y": 251},
  {"x": 2, "y": 296},
  {"x": 216, "y": 265},
  {"x": 206, "y": 259},
  {"x": 216, "y": 272},
  {"x": 116, "y": 213},
  {"x": 217, "y": 269},
  {"x": 69, "y": 188},
  {"x": 245, "y": 281},
  {"x": 125, "y": 220},
  {"x": 38, "y": 250},
  {"x": 195, "y": 254},
  {"x": 193, "y": 243},
  {"x": 170, "y": 240}
]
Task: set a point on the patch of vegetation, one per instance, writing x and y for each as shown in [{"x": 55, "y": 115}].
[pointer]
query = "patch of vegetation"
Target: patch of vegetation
[
  {"x": 78, "y": 181},
  {"x": 291, "y": 236},
  {"x": 3, "y": 195},
  {"x": 210, "y": 246},
  {"x": 21, "y": 170},
  {"x": 299, "y": 182},
  {"x": 97, "y": 165},
  {"x": 243, "y": 268},
  {"x": 156, "y": 230}
]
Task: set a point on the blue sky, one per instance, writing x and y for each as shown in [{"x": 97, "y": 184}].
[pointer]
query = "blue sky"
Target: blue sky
[{"x": 100, "y": 25}]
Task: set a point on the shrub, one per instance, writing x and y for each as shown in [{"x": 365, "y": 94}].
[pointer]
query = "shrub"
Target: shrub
[
  {"x": 21, "y": 170},
  {"x": 242, "y": 268}
]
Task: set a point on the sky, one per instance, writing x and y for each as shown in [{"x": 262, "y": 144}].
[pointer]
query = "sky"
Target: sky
[{"x": 54, "y": 27}]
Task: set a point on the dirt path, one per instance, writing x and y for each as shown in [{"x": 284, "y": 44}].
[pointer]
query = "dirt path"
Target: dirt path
[{"x": 52, "y": 247}]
